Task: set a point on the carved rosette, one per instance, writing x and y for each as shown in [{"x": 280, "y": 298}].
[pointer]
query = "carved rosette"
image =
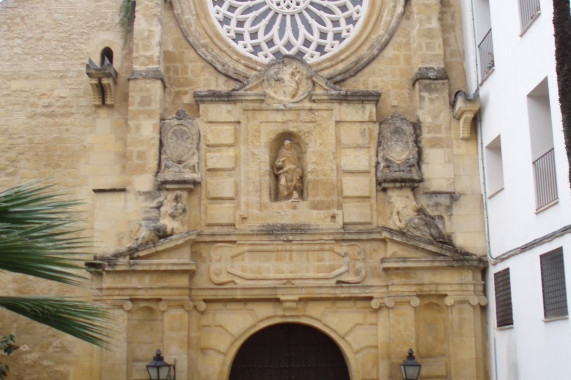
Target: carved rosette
[
  {"x": 180, "y": 138},
  {"x": 397, "y": 152}
]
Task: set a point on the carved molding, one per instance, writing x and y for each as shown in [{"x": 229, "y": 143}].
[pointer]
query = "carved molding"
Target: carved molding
[
  {"x": 464, "y": 111},
  {"x": 397, "y": 152},
  {"x": 287, "y": 262},
  {"x": 148, "y": 73},
  {"x": 180, "y": 139}
]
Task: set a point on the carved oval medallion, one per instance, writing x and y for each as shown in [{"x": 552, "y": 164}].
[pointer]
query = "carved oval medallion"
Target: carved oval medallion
[
  {"x": 398, "y": 144},
  {"x": 181, "y": 143},
  {"x": 288, "y": 80}
]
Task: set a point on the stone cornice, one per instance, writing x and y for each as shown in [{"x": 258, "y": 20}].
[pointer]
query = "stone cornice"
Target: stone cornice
[{"x": 148, "y": 73}]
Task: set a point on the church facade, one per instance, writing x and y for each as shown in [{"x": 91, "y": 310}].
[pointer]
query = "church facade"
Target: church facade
[{"x": 277, "y": 189}]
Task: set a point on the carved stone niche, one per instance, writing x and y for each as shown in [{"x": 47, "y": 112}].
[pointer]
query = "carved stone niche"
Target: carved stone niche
[
  {"x": 397, "y": 153},
  {"x": 180, "y": 139}
]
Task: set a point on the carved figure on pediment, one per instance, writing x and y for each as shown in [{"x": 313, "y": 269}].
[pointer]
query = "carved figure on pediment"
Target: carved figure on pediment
[
  {"x": 407, "y": 214},
  {"x": 180, "y": 138},
  {"x": 150, "y": 229},
  {"x": 397, "y": 152},
  {"x": 289, "y": 171},
  {"x": 176, "y": 212},
  {"x": 426, "y": 226}
]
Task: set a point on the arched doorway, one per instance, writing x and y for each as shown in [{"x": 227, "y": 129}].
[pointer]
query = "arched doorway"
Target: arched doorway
[{"x": 289, "y": 351}]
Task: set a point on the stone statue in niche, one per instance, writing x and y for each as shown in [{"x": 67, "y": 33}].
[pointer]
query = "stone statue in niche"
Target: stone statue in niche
[
  {"x": 397, "y": 153},
  {"x": 289, "y": 172},
  {"x": 180, "y": 138}
]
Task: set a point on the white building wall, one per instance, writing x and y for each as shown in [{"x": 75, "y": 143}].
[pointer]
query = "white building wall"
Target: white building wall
[{"x": 532, "y": 349}]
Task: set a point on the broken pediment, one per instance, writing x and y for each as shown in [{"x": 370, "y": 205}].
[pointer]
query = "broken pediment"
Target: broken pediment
[{"x": 286, "y": 80}]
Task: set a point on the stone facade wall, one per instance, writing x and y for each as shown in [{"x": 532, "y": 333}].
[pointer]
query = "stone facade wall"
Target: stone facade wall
[{"x": 109, "y": 156}]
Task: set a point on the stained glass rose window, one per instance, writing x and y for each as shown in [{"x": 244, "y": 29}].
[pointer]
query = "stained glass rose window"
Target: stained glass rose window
[{"x": 268, "y": 29}]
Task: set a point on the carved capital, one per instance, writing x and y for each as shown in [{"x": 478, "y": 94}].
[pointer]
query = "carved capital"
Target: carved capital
[
  {"x": 127, "y": 305},
  {"x": 377, "y": 302},
  {"x": 470, "y": 299},
  {"x": 199, "y": 305},
  {"x": 391, "y": 301}
]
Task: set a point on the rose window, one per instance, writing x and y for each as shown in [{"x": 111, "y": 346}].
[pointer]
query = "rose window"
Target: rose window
[{"x": 268, "y": 29}]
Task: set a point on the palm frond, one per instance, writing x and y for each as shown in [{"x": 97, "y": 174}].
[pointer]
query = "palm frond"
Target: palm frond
[
  {"x": 38, "y": 236},
  {"x": 85, "y": 320}
]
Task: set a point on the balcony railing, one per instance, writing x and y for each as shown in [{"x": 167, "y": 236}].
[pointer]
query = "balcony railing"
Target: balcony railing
[
  {"x": 528, "y": 10},
  {"x": 486, "y": 52},
  {"x": 545, "y": 180}
]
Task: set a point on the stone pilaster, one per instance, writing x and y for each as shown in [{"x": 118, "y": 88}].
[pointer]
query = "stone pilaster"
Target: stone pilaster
[
  {"x": 430, "y": 83},
  {"x": 402, "y": 329},
  {"x": 116, "y": 360},
  {"x": 146, "y": 95},
  {"x": 465, "y": 337},
  {"x": 175, "y": 334},
  {"x": 428, "y": 46}
]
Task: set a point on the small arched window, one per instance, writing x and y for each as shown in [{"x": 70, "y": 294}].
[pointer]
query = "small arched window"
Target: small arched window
[{"x": 106, "y": 53}]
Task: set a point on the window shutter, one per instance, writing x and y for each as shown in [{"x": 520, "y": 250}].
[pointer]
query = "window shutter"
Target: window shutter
[{"x": 504, "y": 313}]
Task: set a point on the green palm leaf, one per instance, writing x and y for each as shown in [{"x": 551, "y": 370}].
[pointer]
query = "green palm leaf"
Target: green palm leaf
[
  {"x": 39, "y": 237},
  {"x": 37, "y": 234},
  {"x": 84, "y": 320}
]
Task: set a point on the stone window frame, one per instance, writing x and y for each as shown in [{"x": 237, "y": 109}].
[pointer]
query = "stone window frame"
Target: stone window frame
[{"x": 378, "y": 26}]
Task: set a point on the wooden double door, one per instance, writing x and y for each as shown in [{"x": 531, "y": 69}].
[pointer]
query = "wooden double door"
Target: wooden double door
[{"x": 289, "y": 351}]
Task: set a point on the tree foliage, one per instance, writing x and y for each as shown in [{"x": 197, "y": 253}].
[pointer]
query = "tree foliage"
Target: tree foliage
[
  {"x": 562, "y": 27},
  {"x": 39, "y": 237}
]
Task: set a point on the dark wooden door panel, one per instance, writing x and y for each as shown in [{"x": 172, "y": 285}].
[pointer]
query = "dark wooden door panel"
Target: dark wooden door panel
[{"x": 289, "y": 352}]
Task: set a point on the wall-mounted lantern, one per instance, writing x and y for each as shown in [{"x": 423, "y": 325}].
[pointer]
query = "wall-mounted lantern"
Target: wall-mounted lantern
[
  {"x": 410, "y": 368},
  {"x": 158, "y": 369}
]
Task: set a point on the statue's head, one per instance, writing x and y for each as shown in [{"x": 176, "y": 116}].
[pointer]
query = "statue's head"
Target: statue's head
[{"x": 287, "y": 143}]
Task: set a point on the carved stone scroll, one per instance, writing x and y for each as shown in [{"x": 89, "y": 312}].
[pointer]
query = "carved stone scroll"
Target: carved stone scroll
[
  {"x": 287, "y": 262},
  {"x": 180, "y": 138},
  {"x": 397, "y": 152}
]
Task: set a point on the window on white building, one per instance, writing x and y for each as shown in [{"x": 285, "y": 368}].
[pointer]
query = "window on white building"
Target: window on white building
[
  {"x": 553, "y": 284},
  {"x": 494, "y": 166},
  {"x": 541, "y": 135},
  {"x": 483, "y": 30},
  {"x": 502, "y": 285},
  {"x": 528, "y": 11}
]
